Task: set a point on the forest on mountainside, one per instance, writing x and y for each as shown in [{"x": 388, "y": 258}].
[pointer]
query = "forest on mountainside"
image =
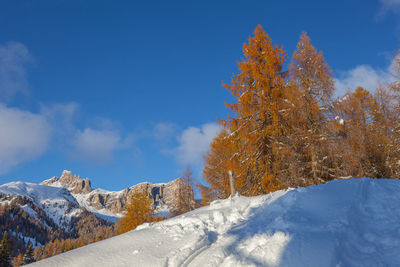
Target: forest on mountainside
[{"x": 49, "y": 238}]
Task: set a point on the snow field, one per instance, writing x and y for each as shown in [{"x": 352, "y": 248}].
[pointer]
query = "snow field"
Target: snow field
[{"x": 353, "y": 222}]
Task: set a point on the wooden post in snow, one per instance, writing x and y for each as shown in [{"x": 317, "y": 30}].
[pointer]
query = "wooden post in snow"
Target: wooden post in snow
[{"x": 232, "y": 183}]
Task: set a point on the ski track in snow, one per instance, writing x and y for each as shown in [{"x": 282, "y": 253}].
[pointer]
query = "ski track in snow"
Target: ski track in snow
[{"x": 353, "y": 222}]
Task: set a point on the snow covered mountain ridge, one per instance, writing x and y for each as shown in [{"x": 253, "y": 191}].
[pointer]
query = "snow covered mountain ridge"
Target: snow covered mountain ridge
[
  {"x": 58, "y": 207},
  {"x": 111, "y": 204},
  {"x": 58, "y": 204},
  {"x": 71, "y": 191},
  {"x": 352, "y": 222}
]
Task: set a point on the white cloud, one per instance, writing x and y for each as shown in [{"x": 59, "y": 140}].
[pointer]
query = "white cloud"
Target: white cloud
[
  {"x": 194, "y": 142},
  {"x": 364, "y": 76},
  {"x": 95, "y": 144},
  {"x": 164, "y": 130},
  {"x": 389, "y": 5},
  {"x": 98, "y": 146},
  {"x": 24, "y": 136},
  {"x": 13, "y": 57},
  {"x": 61, "y": 116}
]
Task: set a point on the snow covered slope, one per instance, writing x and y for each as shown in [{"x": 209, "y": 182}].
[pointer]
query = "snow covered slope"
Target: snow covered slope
[
  {"x": 57, "y": 203},
  {"x": 353, "y": 222}
]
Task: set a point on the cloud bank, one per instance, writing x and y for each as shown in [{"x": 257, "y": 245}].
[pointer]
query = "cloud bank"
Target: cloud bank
[
  {"x": 13, "y": 80},
  {"x": 98, "y": 146},
  {"x": 389, "y": 5},
  {"x": 365, "y": 76},
  {"x": 194, "y": 142},
  {"x": 24, "y": 136},
  {"x": 362, "y": 75}
]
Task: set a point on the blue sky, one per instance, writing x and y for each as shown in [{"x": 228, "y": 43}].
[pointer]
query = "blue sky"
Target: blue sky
[{"x": 129, "y": 91}]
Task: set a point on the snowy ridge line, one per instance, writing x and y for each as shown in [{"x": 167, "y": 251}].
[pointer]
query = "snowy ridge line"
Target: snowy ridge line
[{"x": 58, "y": 204}]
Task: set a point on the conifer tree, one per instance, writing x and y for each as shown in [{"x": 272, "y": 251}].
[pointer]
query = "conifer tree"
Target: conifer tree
[
  {"x": 184, "y": 195},
  {"x": 394, "y": 104},
  {"x": 223, "y": 155},
  {"x": 139, "y": 210},
  {"x": 28, "y": 256},
  {"x": 312, "y": 76},
  {"x": 356, "y": 112},
  {"x": 4, "y": 251},
  {"x": 383, "y": 158},
  {"x": 259, "y": 124}
]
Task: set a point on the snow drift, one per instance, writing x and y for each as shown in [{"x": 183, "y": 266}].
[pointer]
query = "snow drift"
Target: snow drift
[{"x": 353, "y": 222}]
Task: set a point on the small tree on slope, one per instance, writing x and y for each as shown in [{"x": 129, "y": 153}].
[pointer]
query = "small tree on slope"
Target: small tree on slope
[
  {"x": 28, "y": 256},
  {"x": 139, "y": 210},
  {"x": 184, "y": 194},
  {"x": 4, "y": 251}
]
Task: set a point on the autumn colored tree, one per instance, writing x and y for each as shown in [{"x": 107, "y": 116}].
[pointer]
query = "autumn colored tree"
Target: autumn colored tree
[
  {"x": 355, "y": 120},
  {"x": 184, "y": 195},
  {"x": 383, "y": 156},
  {"x": 259, "y": 124},
  {"x": 207, "y": 194},
  {"x": 139, "y": 210},
  {"x": 17, "y": 261},
  {"x": 313, "y": 78},
  {"x": 285, "y": 130},
  {"x": 221, "y": 157},
  {"x": 389, "y": 101}
]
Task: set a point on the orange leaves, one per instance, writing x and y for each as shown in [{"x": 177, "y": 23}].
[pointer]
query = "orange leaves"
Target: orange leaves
[
  {"x": 286, "y": 131},
  {"x": 309, "y": 71},
  {"x": 218, "y": 161},
  {"x": 261, "y": 90},
  {"x": 138, "y": 211}
]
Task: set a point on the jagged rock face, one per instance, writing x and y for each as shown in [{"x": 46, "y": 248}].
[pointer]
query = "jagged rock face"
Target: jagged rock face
[
  {"x": 111, "y": 201},
  {"x": 162, "y": 194},
  {"x": 74, "y": 184}
]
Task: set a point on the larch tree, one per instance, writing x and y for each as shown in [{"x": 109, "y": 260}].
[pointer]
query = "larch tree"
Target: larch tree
[
  {"x": 313, "y": 78},
  {"x": 394, "y": 94},
  {"x": 184, "y": 194},
  {"x": 355, "y": 117},
  {"x": 139, "y": 210},
  {"x": 221, "y": 158},
  {"x": 259, "y": 124}
]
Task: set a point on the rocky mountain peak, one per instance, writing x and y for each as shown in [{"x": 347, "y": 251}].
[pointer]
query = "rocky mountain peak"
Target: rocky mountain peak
[
  {"x": 73, "y": 183},
  {"x": 112, "y": 203}
]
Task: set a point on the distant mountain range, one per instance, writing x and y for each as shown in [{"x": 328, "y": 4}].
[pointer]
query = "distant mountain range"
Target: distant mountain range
[{"x": 68, "y": 207}]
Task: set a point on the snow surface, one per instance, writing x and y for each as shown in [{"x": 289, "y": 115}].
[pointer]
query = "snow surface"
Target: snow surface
[
  {"x": 354, "y": 222},
  {"x": 103, "y": 213},
  {"x": 53, "y": 200}
]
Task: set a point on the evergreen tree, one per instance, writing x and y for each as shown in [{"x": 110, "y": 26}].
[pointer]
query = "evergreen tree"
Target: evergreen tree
[
  {"x": 4, "y": 251},
  {"x": 28, "y": 256}
]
